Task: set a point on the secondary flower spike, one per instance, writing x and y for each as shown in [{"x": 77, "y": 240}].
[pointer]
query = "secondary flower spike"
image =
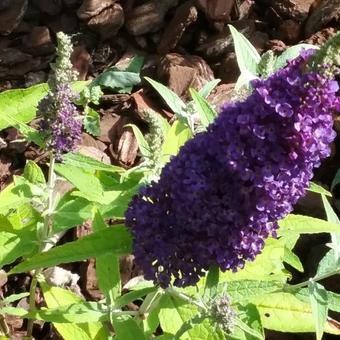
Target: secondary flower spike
[
  {"x": 61, "y": 123},
  {"x": 219, "y": 199}
]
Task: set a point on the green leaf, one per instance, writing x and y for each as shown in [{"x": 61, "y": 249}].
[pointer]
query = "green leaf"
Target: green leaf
[
  {"x": 151, "y": 323},
  {"x": 33, "y": 173},
  {"x": 116, "y": 240},
  {"x": 211, "y": 282},
  {"x": 79, "y": 85},
  {"x": 21, "y": 220},
  {"x": 174, "y": 312},
  {"x": 117, "y": 80},
  {"x": 248, "y": 324},
  {"x": 186, "y": 326},
  {"x": 92, "y": 122},
  {"x": 135, "y": 64},
  {"x": 176, "y": 137},
  {"x": 208, "y": 87},
  {"x": 319, "y": 303},
  {"x": 84, "y": 180},
  {"x": 332, "y": 218},
  {"x": 29, "y": 133},
  {"x": 318, "y": 189},
  {"x": 117, "y": 203},
  {"x": 12, "y": 246},
  {"x": 291, "y": 53},
  {"x": 20, "y": 104},
  {"x": 127, "y": 329},
  {"x": 175, "y": 103},
  {"x": 59, "y": 297},
  {"x": 13, "y": 196},
  {"x": 248, "y": 330},
  {"x": 14, "y": 297},
  {"x": 284, "y": 312},
  {"x": 107, "y": 267},
  {"x": 306, "y": 225},
  {"x": 244, "y": 290},
  {"x": 328, "y": 263},
  {"x": 243, "y": 82},
  {"x": 72, "y": 313},
  {"x": 89, "y": 163},
  {"x": 336, "y": 180},
  {"x": 137, "y": 283},
  {"x": 292, "y": 259},
  {"x": 142, "y": 143},
  {"x": 133, "y": 296},
  {"x": 70, "y": 212},
  {"x": 246, "y": 54},
  {"x": 206, "y": 113},
  {"x": 332, "y": 298}
]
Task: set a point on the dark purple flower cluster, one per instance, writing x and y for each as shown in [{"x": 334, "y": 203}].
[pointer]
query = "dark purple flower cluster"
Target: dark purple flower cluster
[
  {"x": 222, "y": 195},
  {"x": 61, "y": 121}
]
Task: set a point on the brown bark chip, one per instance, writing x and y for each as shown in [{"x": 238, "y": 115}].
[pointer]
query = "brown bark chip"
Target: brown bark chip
[
  {"x": 327, "y": 11},
  {"x": 11, "y": 16},
  {"x": 181, "y": 72},
  {"x": 185, "y": 15}
]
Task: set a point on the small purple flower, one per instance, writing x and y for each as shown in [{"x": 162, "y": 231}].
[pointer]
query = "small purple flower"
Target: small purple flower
[
  {"x": 284, "y": 110},
  {"x": 219, "y": 199}
]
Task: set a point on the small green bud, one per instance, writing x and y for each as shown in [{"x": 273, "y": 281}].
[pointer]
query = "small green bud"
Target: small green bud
[
  {"x": 329, "y": 55},
  {"x": 266, "y": 65},
  {"x": 63, "y": 68},
  {"x": 155, "y": 139}
]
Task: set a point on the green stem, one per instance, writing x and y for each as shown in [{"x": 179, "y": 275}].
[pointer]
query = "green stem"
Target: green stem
[
  {"x": 127, "y": 312},
  {"x": 50, "y": 188},
  {"x": 148, "y": 304},
  {"x": 315, "y": 278},
  {"x": 46, "y": 232},
  {"x": 173, "y": 292}
]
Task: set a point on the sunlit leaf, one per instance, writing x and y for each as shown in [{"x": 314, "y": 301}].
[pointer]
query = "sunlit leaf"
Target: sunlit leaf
[
  {"x": 59, "y": 297},
  {"x": 175, "y": 103},
  {"x": 246, "y": 54},
  {"x": 176, "y": 137},
  {"x": 318, "y": 189},
  {"x": 284, "y": 312},
  {"x": 116, "y": 240},
  {"x": 127, "y": 329},
  {"x": 306, "y": 225},
  {"x": 206, "y": 113},
  {"x": 319, "y": 303},
  {"x": 91, "y": 122},
  {"x": 107, "y": 267},
  {"x": 332, "y": 218},
  {"x": 142, "y": 143}
]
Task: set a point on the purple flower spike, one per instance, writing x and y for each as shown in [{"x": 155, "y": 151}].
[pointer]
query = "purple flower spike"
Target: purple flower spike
[
  {"x": 61, "y": 121},
  {"x": 219, "y": 199}
]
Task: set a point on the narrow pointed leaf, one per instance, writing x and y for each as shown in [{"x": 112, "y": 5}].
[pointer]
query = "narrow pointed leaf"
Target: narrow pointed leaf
[
  {"x": 206, "y": 113},
  {"x": 319, "y": 303},
  {"x": 115, "y": 240}
]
